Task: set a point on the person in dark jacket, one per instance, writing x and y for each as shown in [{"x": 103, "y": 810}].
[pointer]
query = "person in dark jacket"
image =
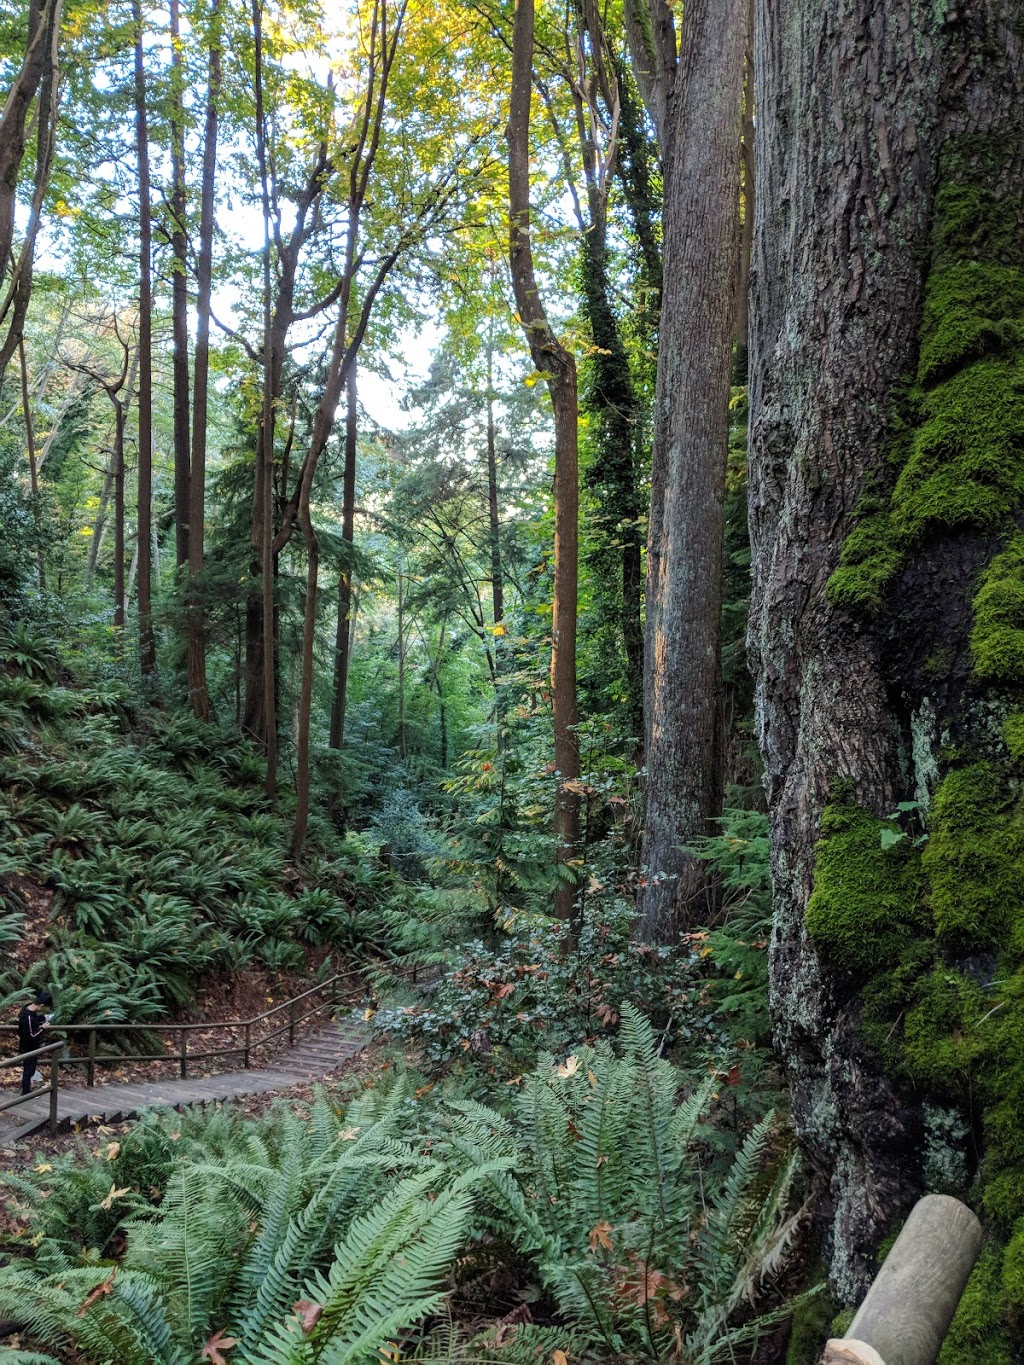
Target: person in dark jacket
[{"x": 31, "y": 1022}]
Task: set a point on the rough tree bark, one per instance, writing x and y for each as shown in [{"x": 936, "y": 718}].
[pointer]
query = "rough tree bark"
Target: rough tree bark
[
  {"x": 198, "y": 691},
  {"x": 559, "y": 368},
  {"x": 682, "y": 683},
  {"x": 144, "y": 523},
  {"x": 865, "y": 112},
  {"x": 493, "y": 518},
  {"x": 343, "y": 634},
  {"x": 179, "y": 297},
  {"x": 14, "y": 308},
  {"x": 30, "y": 445}
]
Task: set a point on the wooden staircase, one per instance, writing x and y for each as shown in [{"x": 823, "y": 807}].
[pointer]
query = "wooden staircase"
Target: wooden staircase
[
  {"x": 307, "y": 1057},
  {"x": 318, "y": 1055}
]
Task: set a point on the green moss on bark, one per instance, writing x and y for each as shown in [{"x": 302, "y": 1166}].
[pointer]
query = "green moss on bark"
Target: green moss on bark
[
  {"x": 974, "y": 860},
  {"x": 959, "y": 455},
  {"x": 997, "y": 640},
  {"x": 863, "y": 907}
]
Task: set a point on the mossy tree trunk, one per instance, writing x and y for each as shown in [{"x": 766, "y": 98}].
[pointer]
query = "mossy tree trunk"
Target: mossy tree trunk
[{"x": 887, "y": 434}]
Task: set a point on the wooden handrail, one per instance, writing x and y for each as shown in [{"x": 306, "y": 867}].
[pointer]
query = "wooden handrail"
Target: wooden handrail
[
  {"x": 182, "y": 1055},
  {"x": 907, "y": 1311},
  {"x": 127, "y": 1026},
  {"x": 52, "y": 1050}
]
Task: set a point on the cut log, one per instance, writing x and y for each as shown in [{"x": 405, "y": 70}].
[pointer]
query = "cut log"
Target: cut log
[{"x": 907, "y": 1311}]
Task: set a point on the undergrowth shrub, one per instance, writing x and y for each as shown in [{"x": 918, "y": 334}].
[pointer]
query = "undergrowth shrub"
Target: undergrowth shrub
[{"x": 531, "y": 993}]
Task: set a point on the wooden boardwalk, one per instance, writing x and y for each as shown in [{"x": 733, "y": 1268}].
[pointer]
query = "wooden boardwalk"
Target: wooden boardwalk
[{"x": 317, "y": 1055}]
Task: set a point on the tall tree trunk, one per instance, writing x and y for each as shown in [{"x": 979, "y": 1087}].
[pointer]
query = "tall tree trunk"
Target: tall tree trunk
[
  {"x": 343, "y": 635},
  {"x": 261, "y": 706},
  {"x": 493, "y": 520},
  {"x": 747, "y": 231},
  {"x": 889, "y": 152},
  {"x": 552, "y": 359},
  {"x": 147, "y": 638},
  {"x": 33, "y": 467},
  {"x": 198, "y": 690},
  {"x": 38, "y": 73},
  {"x": 99, "y": 526},
  {"x": 305, "y": 703},
  {"x": 401, "y": 666},
  {"x": 179, "y": 297},
  {"x": 119, "y": 588},
  {"x": 682, "y": 685},
  {"x": 610, "y": 473}
]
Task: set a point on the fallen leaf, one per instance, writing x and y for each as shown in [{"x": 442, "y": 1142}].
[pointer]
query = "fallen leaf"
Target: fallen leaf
[
  {"x": 113, "y": 1195},
  {"x": 112, "y": 1150},
  {"x": 347, "y": 1134},
  {"x": 215, "y": 1347},
  {"x": 309, "y": 1313},
  {"x": 42, "y": 1168},
  {"x": 96, "y": 1294},
  {"x": 572, "y": 1065},
  {"x": 559, "y": 1358},
  {"x": 600, "y": 1235}
]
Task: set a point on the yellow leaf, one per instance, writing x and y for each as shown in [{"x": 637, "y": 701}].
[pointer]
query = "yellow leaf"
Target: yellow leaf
[
  {"x": 43, "y": 1167},
  {"x": 112, "y": 1150},
  {"x": 559, "y": 1358},
  {"x": 114, "y": 1194},
  {"x": 347, "y": 1134},
  {"x": 368, "y": 1015},
  {"x": 572, "y": 1065}
]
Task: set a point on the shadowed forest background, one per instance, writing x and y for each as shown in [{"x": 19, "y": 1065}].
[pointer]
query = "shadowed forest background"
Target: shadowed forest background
[{"x": 526, "y": 505}]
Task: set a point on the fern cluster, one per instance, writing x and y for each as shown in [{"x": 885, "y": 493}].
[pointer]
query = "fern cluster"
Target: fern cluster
[
  {"x": 164, "y": 860},
  {"x": 300, "y": 1241},
  {"x": 609, "y": 1184},
  {"x": 325, "y": 1238}
]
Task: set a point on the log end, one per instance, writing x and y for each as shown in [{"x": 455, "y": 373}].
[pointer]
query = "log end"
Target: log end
[{"x": 850, "y": 1352}]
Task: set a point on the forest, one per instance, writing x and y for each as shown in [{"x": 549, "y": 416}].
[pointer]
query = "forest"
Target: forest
[{"x": 511, "y": 678}]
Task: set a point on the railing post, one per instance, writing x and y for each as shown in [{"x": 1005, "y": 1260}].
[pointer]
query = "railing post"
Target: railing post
[
  {"x": 291, "y": 1024},
  {"x": 248, "y": 1043},
  {"x": 90, "y": 1070},
  {"x": 184, "y": 1053},
  {"x": 54, "y": 1086}
]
